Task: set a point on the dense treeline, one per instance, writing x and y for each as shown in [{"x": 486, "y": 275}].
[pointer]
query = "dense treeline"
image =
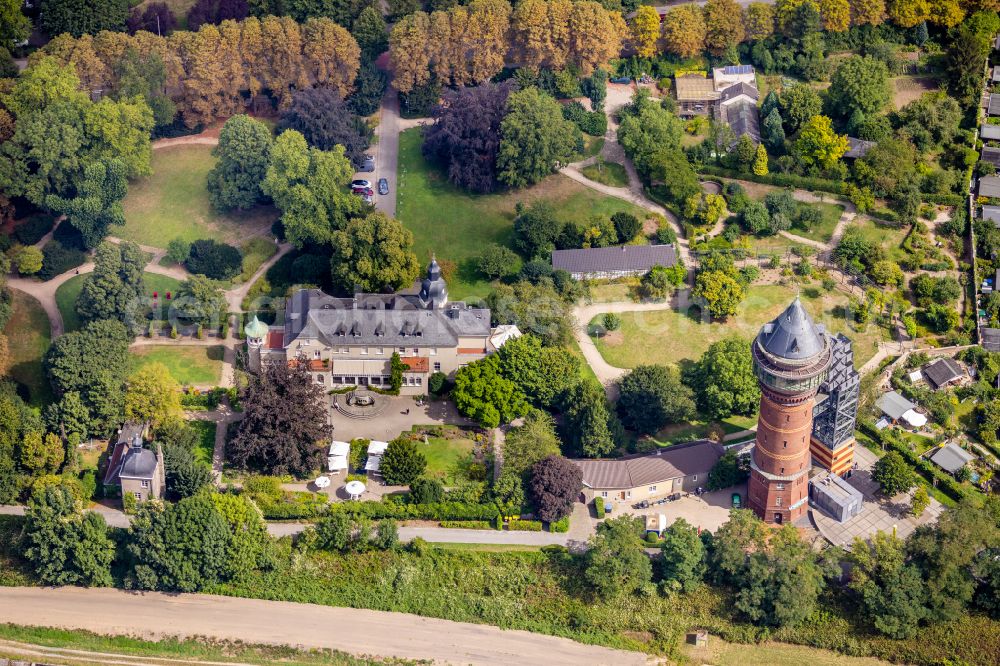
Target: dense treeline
[
  {"x": 206, "y": 73},
  {"x": 467, "y": 45}
]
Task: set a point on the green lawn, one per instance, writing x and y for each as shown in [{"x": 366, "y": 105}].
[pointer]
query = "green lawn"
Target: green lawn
[
  {"x": 205, "y": 448},
  {"x": 255, "y": 252},
  {"x": 823, "y": 231},
  {"x": 608, "y": 173},
  {"x": 28, "y": 335},
  {"x": 456, "y": 225},
  {"x": 669, "y": 336},
  {"x": 888, "y": 238},
  {"x": 173, "y": 203},
  {"x": 196, "y": 365},
  {"x": 69, "y": 291},
  {"x": 444, "y": 457}
]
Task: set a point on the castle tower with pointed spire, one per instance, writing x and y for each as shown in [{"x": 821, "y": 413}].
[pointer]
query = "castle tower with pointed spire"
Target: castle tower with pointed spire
[
  {"x": 791, "y": 357},
  {"x": 433, "y": 288},
  {"x": 255, "y": 332}
]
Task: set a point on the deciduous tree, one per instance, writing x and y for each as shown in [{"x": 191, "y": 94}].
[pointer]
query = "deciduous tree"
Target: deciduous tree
[
  {"x": 284, "y": 422},
  {"x": 908, "y": 13},
  {"x": 859, "y": 85},
  {"x": 616, "y": 563},
  {"x": 724, "y": 25},
  {"x": 894, "y": 474},
  {"x": 759, "y": 20},
  {"x": 115, "y": 289},
  {"x": 373, "y": 253},
  {"x": 646, "y": 31},
  {"x": 243, "y": 157},
  {"x": 652, "y": 396},
  {"x": 867, "y": 12},
  {"x": 586, "y": 419},
  {"x": 818, "y": 144},
  {"x": 798, "y": 104},
  {"x": 534, "y": 137},
  {"x": 402, "y": 463},
  {"x": 684, "y": 30},
  {"x": 554, "y": 485},
  {"x": 683, "y": 556},
  {"x": 152, "y": 395},
  {"x": 482, "y": 393},
  {"x": 890, "y": 589},
  {"x": 78, "y": 17},
  {"x": 724, "y": 380}
]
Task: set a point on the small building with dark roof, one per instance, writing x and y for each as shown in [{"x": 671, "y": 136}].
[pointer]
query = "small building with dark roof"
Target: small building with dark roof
[
  {"x": 989, "y": 186},
  {"x": 682, "y": 467},
  {"x": 613, "y": 262},
  {"x": 133, "y": 468},
  {"x": 996, "y": 74},
  {"x": 991, "y": 213},
  {"x": 951, "y": 457},
  {"x": 991, "y": 156},
  {"x": 993, "y": 108},
  {"x": 989, "y": 132},
  {"x": 989, "y": 338},
  {"x": 835, "y": 496},
  {"x": 857, "y": 148},
  {"x": 944, "y": 372}
]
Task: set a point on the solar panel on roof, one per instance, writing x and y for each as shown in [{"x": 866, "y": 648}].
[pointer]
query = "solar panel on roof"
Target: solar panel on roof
[{"x": 737, "y": 69}]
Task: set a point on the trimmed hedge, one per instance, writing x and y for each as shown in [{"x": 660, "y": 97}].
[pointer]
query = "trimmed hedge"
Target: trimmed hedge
[
  {"x": 560, "y": 526},
  {"x": 926, "y": 469},
  {"x": 599, "y": 506},
  {"x": 524, "y": 525},
  {"x": 466, "y": 524},
  {"x": 439, "y": 511},
  {"x": 778, "y": 179}
]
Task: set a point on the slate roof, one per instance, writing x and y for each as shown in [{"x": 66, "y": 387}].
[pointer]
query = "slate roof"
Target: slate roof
[
  {"x": 994, "y": 106},
  {"x": 793, "y": 335},
  {"x": 988, "y": 131},
  {"x": 991, "y": 155},
  {"x": 737, "y": 89},
  {"x": 673, "y": 462},
  {"x": 858, "y": 147},
  {"x": 139, "y": 464},
  {"x": 952, "y": 457},
  {"x": 996, "y": 73},
  {"x": 942, "y": 371},
  {"x": 894, "y": 405},
  {"x": 989, "y": 186},
  {"x": 392, "y": 320},
  {"x": 992, "y": 213},
  {"x": 744, "y": 118},
  {"x": 613, "y": 259},
  {"x": 130, "y": 434},
  {"x": 989, "y": 338}
]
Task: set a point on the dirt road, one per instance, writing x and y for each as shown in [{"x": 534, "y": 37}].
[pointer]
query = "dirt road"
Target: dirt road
[{"x": 154, "y": 615}]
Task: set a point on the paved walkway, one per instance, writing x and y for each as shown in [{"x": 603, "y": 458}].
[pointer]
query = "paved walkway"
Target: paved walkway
[
  {"x": 156, "y": 616},
  {"x": 235, "y": 296}
]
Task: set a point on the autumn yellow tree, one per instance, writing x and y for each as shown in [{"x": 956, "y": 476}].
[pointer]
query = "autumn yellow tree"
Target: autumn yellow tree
[
  {"x": 724, "y": 25},
  {"x": 486, "y": 42},
  {"x": 409, "y": 46},
  {"x": 645, "y": 31},
  {"x": 285, "y": 71},
  {"x": 152, "y": 394},
  {"x": 252, "y": 48},
  {"x": 908, "y": 13},
  {"x": 4, "y": 355},
  {"x": 758, "y": 17},
  {"x": 94, "y": 73},
  {"x": 41, "y": 454},
  {"x": 867, "y": 12},
  {"x": 595, "y": 35},
  {"x": 684, "y": 30},
  {"x": 836, "y": 14},
  {"x": 785, "y": 10},
  {"x": 540, "y": 30},
  {"x": 443, "y": 61},
  {"x": 331, "y": 55},
  {"x": 947, "y": 13}
]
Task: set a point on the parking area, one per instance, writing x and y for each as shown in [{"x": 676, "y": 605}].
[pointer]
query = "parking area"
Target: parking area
[{"x": 707, "y": 511}]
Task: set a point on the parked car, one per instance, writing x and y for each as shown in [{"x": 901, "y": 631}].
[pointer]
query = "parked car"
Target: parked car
[
  {"x": 383, "y": 186},
  {"x": 622, "y": 79},
  {"x": 737, "y": 500},
  {"x": 368, "y": 165},
  {"x": 644, "y": 504},
  {"x": 361, "y": 183},
  {"x": 363, "y": 191}
]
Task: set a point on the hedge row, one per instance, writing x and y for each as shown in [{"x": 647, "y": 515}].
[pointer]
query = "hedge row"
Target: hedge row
[
  {"x": 926, "y": 469},
  {"x": 466, "y": 524},
  {"x": 943, "y": 199},
  {"x": 560, "y": 526},
  {"x": 599, "y": 506},
  {"x": 778, "y": 179},
  {"x": 294, "y": 510},
  {"x": 524, "y": 525},
  {"x": 437, "y": 511}
]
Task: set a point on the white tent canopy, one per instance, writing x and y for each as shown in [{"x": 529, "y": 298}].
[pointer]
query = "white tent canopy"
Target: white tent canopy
[
  {"x": 337, "y": 458},
  {"x": 375, "y": 451},
  {"x": 914, "y": 418}
]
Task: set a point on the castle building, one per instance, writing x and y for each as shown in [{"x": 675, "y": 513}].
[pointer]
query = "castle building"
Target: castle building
[
  {"x": 792, "y": 357},
  {"x": 350, "y": 341},
  {"x": 836, "y": 411}
]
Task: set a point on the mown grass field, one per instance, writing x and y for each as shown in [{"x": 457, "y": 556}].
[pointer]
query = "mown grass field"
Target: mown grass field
[
  {"x": 607, "y": 173},
  {"x": 669, "y": 336},
  {"x": 444, "y": 457},
  {"x": 28, "y": 336},
  {"x": 205, "y": 447},
  {"x": 173, "y": 203},
  {"x": 456, "y": 225},
  {"x": 199, "y": 365}
]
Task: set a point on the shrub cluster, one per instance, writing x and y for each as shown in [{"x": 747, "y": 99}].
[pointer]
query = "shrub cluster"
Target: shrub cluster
[
  {"x": 466, "y": 524},
  {"x": 456, "y": 511},
  {"x": 560, "y": 526},
  {"x": 599, "y": 506},
  {"x": 33, "y": 229},
  {"x": 944, "y": 482},
  {"x": 517, "y": 525},
  {"x": 594, "y": 123}
]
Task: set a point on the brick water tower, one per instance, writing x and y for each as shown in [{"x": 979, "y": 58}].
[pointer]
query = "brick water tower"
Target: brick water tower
[{"x": 791, "y": 357}]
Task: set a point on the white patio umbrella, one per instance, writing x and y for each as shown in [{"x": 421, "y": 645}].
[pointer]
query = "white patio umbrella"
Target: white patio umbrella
[
  {"x": 354, "y": 489},
  {"x": 322, "y": 482}
]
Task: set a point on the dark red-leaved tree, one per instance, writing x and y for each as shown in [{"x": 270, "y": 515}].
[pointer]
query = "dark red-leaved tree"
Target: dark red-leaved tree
[
  {"x": 284, "y": 420},
  {"x": 555, "y": 483},
  {"x": 155, "y": 18},
  {"x": 216, "y": 11},
  {"x": 322, "y": 117},
  {"x": 465, "y": 136}
]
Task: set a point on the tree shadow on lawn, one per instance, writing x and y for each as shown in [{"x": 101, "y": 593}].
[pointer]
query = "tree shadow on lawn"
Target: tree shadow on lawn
[{"x": 216, "y": 353}]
